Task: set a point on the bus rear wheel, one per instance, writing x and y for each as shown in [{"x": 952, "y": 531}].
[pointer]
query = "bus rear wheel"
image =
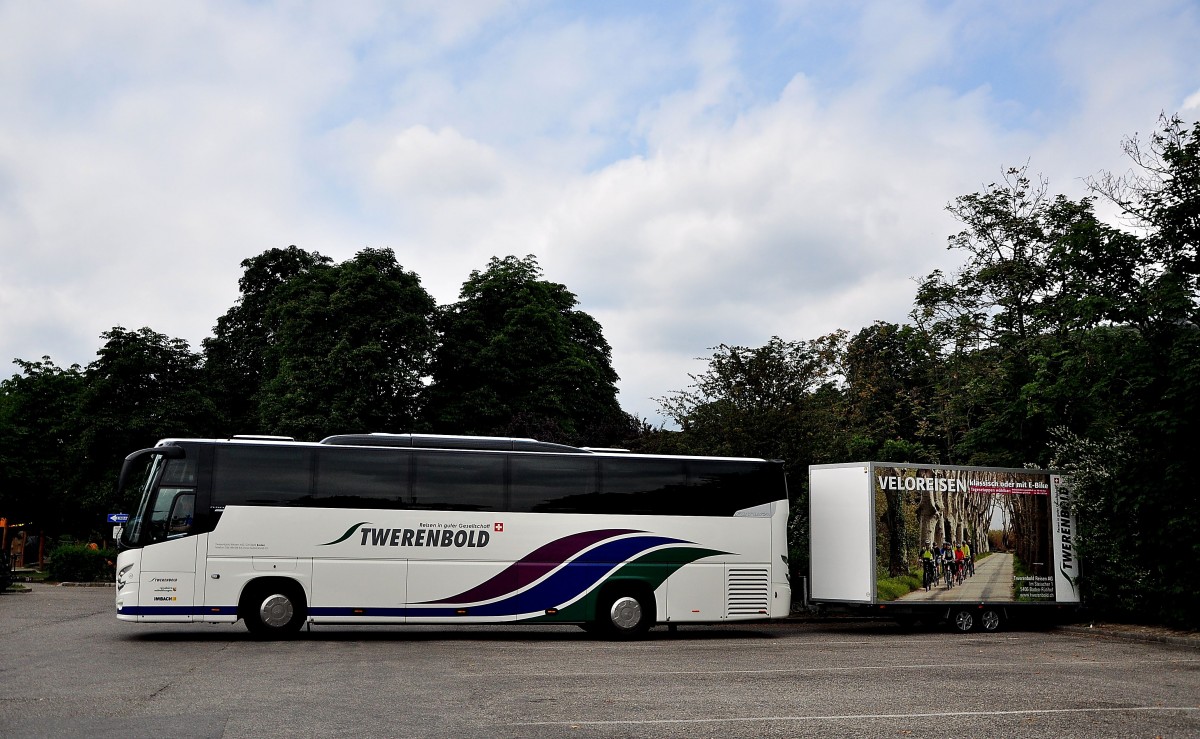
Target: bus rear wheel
[
  {"x": 273, "y": 609},
  {"x": 625, "y": 613}
]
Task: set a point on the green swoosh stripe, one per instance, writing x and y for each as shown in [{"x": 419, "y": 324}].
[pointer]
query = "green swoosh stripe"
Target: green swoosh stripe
[
  {"x": 349, "y": 532},
  {"x": 652, "y": 569}
]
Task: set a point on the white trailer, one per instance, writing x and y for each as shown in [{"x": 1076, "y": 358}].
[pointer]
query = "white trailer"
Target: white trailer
[{"x": 973, "y": 546}]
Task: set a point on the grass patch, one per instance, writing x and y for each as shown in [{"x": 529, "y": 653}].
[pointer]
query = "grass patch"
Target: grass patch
[{"x": 891, "y": 588}]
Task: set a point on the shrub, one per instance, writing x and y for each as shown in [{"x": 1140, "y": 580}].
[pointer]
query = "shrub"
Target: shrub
[{"x": 79, "y": 563}]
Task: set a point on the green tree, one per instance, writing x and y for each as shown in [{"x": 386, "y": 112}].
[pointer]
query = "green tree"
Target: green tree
[
  {"x": 143, "y": 386},
  {"x": 517, "y": 357},
  {"x": 39, "y": 430},
  {"x": 1000, "y": 323},
  {"x": 1132, "y": 466},
  {"x": 891, "y": 375},
  {"x": 235, "y": 355},
  {"x": 350, "y": 345},
  {"x": 1162, "y": 194},
  {"x": 783, "y": 400}
]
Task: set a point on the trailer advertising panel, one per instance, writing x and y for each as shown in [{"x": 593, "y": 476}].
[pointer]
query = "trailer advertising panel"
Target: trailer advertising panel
[{"x": 941, "y": 535}]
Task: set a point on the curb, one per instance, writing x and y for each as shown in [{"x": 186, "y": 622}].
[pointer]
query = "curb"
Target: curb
[
  {"x": 1179, "y": 641},
  {"x": 86, "y": 585}
]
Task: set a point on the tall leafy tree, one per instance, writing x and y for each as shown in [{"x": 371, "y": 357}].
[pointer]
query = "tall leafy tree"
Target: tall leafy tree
[
  {"x": 1138, "y": 513},
  {"x": 783, "y": 400},
  {"x": 1162, "y": 194},
  {"x": 235, "y": 355},
  {"x": 751, "y": 401},
  {"x": 1002, "y": 318},
  {"x": 39, "y": 431},
  {"x": 517, "y": 357},
  {"x": 143, "y": 386},
  {"x": 891, "y": 374},
  {"x": 349, "y": 347}
]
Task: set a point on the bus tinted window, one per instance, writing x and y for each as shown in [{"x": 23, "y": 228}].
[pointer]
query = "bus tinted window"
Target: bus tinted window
[
  {"x": 643, "y": 486},
  {"x": 719, "y": 487},
  {"x": 551, "y": 484},
  {"x": 362, "y": 478},
  {"x": 180, "y": 471},
  {"x": 261, "y": 475},
  {"x": 458, "y": 482}
]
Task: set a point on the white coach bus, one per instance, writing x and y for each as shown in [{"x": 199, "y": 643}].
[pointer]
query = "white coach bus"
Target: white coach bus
[{"x": 404, "y": 528}]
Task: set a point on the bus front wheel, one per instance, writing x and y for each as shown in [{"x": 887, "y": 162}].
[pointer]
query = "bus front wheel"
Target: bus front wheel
[
  {"x": 273, "y": 609},
  {"x": 626, "y": 613}
]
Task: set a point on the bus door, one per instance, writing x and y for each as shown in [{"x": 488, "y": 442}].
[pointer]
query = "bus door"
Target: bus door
[{"x": 167, "y": 586}]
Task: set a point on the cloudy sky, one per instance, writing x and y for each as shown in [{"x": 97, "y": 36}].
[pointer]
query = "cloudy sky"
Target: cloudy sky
[{"x": 697, "y": 173}]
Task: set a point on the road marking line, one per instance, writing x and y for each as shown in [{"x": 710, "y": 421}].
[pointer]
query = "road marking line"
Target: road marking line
[
  {"x": 935, "y": 665},
  {"x": 855, "y": 716}
]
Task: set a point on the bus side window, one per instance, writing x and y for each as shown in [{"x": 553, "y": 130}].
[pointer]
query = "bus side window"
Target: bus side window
[
  {"x": 454, "y": 481},
  {"x": 645, "y": 486},
  {"x": 172, "y": 514},
  {"x": 552, "y": 483},
  {"x": 362, "y": 478},
  {"x": 720, "y": 487},
  {"x": 262, "y": 475},
  {"x": 179, "y": 522}
]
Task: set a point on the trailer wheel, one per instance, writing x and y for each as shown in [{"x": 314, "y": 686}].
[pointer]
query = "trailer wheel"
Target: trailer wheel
[
  {"x": 962, "y": 621},
  {"x": 273, "y": 608},
  {"x": 990, "y": 620}
]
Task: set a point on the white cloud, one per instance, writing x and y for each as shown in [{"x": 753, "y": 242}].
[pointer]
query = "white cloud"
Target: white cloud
[{"x": 146, "y": 149}]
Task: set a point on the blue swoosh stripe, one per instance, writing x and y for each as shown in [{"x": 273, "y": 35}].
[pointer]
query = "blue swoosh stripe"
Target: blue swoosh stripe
[{"x": 569, "y": 582}]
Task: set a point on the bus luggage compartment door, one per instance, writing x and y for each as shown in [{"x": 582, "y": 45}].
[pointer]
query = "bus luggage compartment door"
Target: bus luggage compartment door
[
  {"x": 696, "y": 593},
  {"x": 358, "y": 590}
]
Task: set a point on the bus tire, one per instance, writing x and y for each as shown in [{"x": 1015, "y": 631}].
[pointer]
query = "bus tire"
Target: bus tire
[
  {"x": 273, "y": 608},
  {"x": 962, "y": 621},
  {"x": 991, "y": 619},
  {"x": 625, "y": 612}
]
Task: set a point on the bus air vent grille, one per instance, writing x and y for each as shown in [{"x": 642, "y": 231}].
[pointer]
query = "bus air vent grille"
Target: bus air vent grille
[{"x": 749, "y": 590}]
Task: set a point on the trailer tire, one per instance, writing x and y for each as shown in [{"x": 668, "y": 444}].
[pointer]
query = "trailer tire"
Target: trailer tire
[
  {"x": 274, "y": 608},
  {"x": 963, "y": 621},
  {"x": 991, "y": 620}
]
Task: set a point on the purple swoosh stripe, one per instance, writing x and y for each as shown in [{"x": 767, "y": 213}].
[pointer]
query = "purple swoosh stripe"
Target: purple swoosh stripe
[{"x": 533, "y": 565}]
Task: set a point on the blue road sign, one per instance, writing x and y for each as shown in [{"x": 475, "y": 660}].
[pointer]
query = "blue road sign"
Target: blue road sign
[{"x": 118, "y": 517}]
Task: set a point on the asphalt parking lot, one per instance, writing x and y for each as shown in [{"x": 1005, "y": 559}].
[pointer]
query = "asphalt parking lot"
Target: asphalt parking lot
[{"x": 69, "y": 668}]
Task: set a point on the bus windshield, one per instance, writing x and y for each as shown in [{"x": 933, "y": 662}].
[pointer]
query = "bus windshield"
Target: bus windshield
[
  {"x": 152, "y": 465},
  {"x": 168, "y": 502}
]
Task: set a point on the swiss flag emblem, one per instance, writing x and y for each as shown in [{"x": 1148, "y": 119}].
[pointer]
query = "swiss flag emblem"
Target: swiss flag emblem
[{"x": 497, "y": 527}]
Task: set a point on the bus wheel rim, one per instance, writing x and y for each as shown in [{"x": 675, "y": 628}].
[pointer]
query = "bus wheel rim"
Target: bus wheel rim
[
  {"x": 276, "y": 611},
  {"x": 626, "y": 612}
]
